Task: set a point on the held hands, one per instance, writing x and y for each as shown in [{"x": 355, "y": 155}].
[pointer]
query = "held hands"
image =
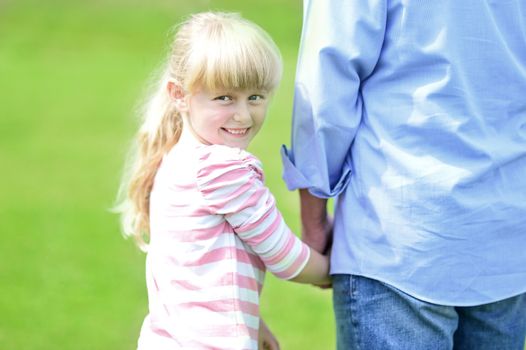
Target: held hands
[{"x": 266, "y": 340}]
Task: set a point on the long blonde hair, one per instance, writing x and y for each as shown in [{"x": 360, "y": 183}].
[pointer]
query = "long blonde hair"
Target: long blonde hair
[{"x": 210, "y": 50}]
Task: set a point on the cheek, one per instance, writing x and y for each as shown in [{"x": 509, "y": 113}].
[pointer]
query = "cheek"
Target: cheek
[
  {"x": 259, "y": 117},
  {"x": 219, "y": 118},
  {"x": 210, "y": 122}
]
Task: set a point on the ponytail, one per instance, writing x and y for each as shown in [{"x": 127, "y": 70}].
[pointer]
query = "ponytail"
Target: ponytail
[{"x": 159, "y": 132}]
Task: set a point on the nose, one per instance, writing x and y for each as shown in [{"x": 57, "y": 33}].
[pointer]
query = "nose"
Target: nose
[{"x": 242, "y": 112}]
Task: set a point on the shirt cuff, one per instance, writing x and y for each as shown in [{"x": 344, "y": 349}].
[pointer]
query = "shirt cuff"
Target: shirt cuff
[
  {"x": 291, "y": 175},
  {"x": 294, "y": 179}
]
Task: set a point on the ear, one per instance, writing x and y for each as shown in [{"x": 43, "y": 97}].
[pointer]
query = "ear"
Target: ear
[{"x": 178, "y": 96}]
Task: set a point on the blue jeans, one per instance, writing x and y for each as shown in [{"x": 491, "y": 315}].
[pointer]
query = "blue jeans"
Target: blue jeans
[{"x": 371, "y": 315}]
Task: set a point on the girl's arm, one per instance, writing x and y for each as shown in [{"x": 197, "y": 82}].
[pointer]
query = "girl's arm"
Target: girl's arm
[
  {"x": 316, "y": 271},
  {"x": 232, "y": 185}
]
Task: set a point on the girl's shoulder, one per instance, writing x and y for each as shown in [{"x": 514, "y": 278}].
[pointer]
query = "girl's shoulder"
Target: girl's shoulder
[
  {"x": 218, "y": 154},
  {"x": 221, "y": 159}
]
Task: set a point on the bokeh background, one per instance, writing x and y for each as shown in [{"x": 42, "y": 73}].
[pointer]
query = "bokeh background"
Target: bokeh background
[{"x": 71, "y": 75}]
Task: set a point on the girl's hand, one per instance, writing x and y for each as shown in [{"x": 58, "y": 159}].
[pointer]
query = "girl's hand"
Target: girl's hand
[{"x": 266, "y": 340}]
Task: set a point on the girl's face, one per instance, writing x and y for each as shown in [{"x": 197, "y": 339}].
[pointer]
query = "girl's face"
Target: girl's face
[{"x": 226, "y": 117}]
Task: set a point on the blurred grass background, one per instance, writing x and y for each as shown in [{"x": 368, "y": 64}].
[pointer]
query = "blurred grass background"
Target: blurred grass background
[{"x": 71, "y": 73}]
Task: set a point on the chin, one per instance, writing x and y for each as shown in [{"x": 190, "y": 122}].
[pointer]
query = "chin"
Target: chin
[{"x": 241, "y": 146}]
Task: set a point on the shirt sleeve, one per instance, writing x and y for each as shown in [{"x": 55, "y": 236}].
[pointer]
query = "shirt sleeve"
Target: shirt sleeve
[
  {"x": 231, "y": 182},
  {"x": 340, "y": 46}
]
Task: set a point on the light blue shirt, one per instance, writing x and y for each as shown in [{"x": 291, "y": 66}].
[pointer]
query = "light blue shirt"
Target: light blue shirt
[{"x": 413, "y": 115}]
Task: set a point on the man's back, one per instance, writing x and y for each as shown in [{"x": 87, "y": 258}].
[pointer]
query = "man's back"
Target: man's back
[{"x": 433, "y": 136}]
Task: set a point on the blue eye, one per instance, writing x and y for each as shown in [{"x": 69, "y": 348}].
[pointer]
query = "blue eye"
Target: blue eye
[
  {"x": 223, "y": 98},
  {"x": 256, "y": 97}
]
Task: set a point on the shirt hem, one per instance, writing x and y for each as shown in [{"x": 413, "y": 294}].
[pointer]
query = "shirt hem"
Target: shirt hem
[{"x": 430, "y": 299}]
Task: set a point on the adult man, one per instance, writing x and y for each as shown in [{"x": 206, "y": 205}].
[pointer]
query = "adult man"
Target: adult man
[{"x": 413, "y": 114}]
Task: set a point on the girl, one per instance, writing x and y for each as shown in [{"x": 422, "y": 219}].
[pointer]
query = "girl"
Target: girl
[{"x": 199, "y": 198}]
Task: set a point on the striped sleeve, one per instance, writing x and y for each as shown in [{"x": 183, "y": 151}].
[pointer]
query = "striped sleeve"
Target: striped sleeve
[{"x": 231, "y": 182}]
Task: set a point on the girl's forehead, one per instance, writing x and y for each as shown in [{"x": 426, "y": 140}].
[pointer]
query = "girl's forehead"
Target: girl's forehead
[{"x": 234, "y": 90}]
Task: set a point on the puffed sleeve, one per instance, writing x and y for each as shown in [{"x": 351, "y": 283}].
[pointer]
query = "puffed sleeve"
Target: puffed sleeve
[
  {"x": 231, "y": 183},
  {"x": 340, "y": 46}
]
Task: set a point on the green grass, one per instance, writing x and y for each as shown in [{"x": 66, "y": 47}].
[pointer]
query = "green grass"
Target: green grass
[{"x": 71, "y": 73}]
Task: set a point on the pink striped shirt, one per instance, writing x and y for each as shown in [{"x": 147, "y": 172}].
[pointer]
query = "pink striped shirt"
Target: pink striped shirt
[{"x": 215, "y": 229}]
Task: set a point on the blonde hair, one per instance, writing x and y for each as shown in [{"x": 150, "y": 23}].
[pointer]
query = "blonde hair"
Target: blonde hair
[{"x": 210, "y": 50}]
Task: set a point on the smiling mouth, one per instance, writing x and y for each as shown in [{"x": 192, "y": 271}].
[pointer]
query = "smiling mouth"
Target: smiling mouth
[{"x": 236, "y": 132}]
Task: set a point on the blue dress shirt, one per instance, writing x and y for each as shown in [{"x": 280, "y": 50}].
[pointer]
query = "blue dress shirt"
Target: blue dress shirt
[{"x": 413, "y": 115}]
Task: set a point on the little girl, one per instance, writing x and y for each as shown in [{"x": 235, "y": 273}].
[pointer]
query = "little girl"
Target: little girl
[{"x": 198, "y": 197}]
